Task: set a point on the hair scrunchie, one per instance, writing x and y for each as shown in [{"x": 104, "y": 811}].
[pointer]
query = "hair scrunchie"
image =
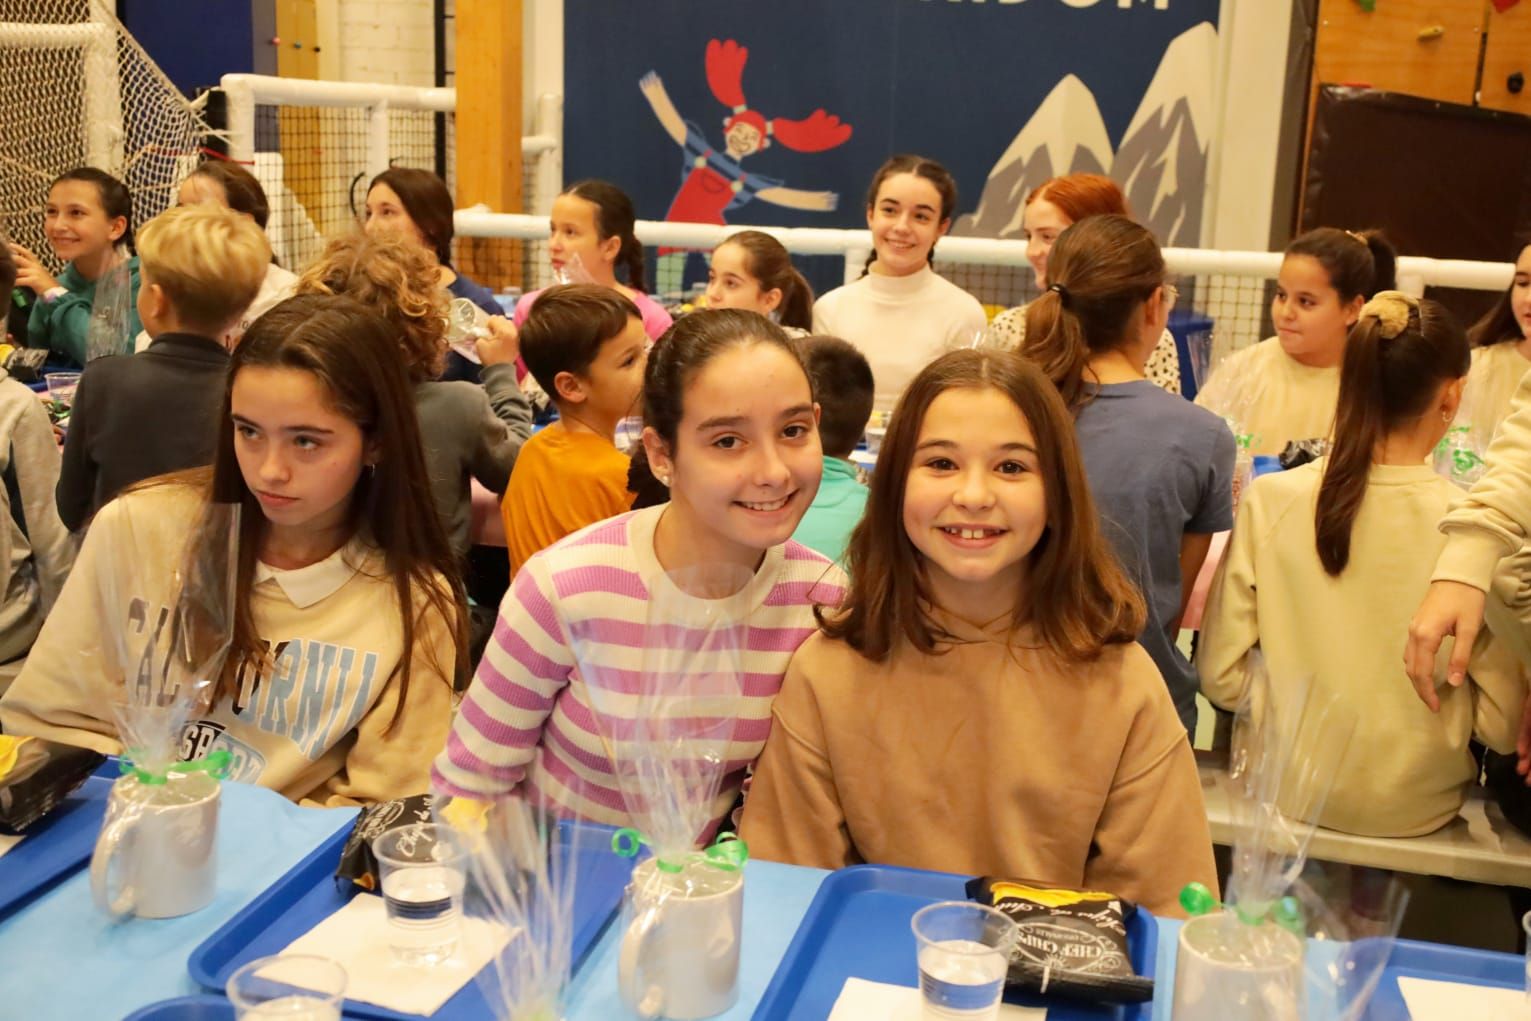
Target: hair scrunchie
[
  {"x": 1062, "y": 293},
  {"x": 1391, "y": 310}
]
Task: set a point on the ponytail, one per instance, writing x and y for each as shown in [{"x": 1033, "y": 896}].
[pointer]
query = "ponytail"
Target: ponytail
[
  {"x": 1399, "y": 354},
  {"x": 796, "y": 309},
  {"x": 631, "y": 258},
  {"x": 614, "y": 217},
  {"x": 1102, "y": 269},
  {"x": 1056, "y": 344}
]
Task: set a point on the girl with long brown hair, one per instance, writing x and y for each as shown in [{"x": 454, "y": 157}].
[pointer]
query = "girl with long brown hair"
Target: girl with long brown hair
[
  {"x": 1326, "y": 565},
  {"x": 1160, "y": 468},
  {"x": 348, "y": 624},
  {"x": 979, "y": 703}
]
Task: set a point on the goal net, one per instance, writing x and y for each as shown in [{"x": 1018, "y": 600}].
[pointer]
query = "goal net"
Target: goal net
[{"x": 77, "y": 90}]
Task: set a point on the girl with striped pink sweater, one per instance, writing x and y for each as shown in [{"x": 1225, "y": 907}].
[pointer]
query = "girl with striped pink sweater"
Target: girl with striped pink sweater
[{"x": 731, "y": 430}]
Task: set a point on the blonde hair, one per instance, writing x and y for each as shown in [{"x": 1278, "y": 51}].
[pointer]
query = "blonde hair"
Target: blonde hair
[
  {"x": 209, "y": 261},
  {"x": 397, "y": 279}
]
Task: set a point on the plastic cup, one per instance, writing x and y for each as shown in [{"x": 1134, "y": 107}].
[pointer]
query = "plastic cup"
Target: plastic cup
[
  {"x": 423, "y": 870},
  {"x": 964, "y": 953},
  {"x": 1525, "y": 923},
  {"x": 1228, "y": 969},
  {"x": 61, "y": 386},
  {"x": 293, "y": 987}
]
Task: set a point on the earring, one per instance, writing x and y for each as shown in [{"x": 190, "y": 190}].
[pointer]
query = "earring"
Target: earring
[
  {"x": 1446, "y": 416},
  {"x": 664, "y": 480}
]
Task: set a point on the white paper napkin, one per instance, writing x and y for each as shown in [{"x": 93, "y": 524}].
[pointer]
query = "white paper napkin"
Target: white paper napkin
[
  {"x": 356, "y": 938},
  {"x": 1430, "y": 1000},
  {"x": 8, "y": 842},
  {"x": 861, "y": 1000}
]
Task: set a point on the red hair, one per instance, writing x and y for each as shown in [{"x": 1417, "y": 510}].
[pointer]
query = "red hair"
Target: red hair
[
  {"x": 725, "y": 76},
  {"x": 1080, "y": 195}
]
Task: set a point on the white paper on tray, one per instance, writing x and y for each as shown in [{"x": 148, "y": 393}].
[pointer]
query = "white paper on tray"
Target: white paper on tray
[
  {"x": 1431, "y": 1000},
  {"x": 861, "y": 1000},
  {"x": 7, "y": 842},
  {"x": 356, "y": 938}
]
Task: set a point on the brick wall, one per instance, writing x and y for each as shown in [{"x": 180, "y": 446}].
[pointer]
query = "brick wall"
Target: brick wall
[{"x": 387, "y": 41}]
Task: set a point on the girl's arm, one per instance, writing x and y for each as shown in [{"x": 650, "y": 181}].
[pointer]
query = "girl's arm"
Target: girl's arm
[
  {"x": 65, "y": 691},
  {"x": 796, "y": 198},
  {"x": 61, "y": 325},
  {"x": 1152, "y": 837},
  {"x": 1230, "y": 627},
  {"x": 793, "y": 813},
  {"x": 35, "y": 459},
  {"x": 503, "y": 418},
  {"x": 669, "y": 118},
  {"x": 524, "y": 670},
  {"x": 1193, "y": 553},
  {"x": 393, "y": 759},
  {"x": 1500, "y": 679}
]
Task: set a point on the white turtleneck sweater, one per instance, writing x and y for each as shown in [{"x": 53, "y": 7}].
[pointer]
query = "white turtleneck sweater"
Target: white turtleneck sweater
[{"x": 901, "y": 324}]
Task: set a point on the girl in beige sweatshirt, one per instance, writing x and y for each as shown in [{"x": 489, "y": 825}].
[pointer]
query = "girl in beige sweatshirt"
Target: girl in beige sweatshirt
[
  {"x": 1328, "y": 561},
  {"x": 979, "y": 704}
]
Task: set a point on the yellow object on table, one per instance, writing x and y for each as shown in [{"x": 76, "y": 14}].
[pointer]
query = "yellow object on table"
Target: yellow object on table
[{"x": 10, "y": 748}]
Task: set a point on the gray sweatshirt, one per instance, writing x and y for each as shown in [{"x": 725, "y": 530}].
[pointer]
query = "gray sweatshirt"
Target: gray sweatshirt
[{"x": 471, "y": 431}]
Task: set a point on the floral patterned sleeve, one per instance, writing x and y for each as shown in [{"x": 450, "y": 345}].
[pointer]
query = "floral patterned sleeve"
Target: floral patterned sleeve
[
  {"x": 1163, "y": 365},
  {"x": 1007, "y": 329}
]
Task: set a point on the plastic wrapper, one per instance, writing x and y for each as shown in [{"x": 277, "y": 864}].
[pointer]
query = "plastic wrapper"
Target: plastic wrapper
[
  {"x": 466, "y": 324},
  {"x": 358, "y": 865},
  {"x": 1459, "y": 456},
  {"x": 165, "y": 630},
  {"x": 668, "y": 728},
  {"x": 35, "y": 775},
  {"x": 111, "y": 324},
  {"x": 522, "y": 864},
  {"x": 1294, "y": 938},
  {"x": 1300, "y": 452},
  {"x": 1072, "y": 943}
]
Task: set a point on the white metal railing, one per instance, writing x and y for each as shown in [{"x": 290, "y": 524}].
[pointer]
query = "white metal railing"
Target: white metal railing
[
  {"x": 245, "y": 92},
  {"x": 1414, "y": 272}
]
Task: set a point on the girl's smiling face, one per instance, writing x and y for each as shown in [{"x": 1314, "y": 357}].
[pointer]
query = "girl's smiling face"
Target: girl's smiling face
[
  {"x": 1520, "y": 292},
  {"x": 905, "y": 221},
  {"x": 1041, "y": 223},
  {"x": 299, "y": 456},
  {"x": 76, "y": 222},
  {"x": 974, "y": 501},
  {"x": 747, "y": 458}
]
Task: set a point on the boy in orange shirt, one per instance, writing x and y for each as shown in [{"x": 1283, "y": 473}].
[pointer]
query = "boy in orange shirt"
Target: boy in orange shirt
[{"x": 586, "y": 347}]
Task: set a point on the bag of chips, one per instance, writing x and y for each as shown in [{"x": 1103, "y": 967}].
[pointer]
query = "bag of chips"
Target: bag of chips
[
  {"x": 1073, "y": 943},
  {"x": 358, "y": 865},
  {"x": 35, "y": 775}
]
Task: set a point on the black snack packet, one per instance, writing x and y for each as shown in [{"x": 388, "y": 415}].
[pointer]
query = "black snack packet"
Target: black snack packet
[
  {"x": 358, "y": 866},
  {"x": 1299, "y": 452},
  {"x": 44, "y": 774},
  {"x": 1073, "y": 943}
]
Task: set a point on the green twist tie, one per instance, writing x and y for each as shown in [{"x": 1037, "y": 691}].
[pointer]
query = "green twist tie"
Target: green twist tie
[
  {"x": 1197, "y": 899},
  {"x": 728, "y": 852},
  {"x": 215, "y": 764},
  {"x": 1465, "y": 461}
]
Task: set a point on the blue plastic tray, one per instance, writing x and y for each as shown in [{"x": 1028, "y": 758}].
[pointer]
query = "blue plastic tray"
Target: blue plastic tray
[
  {"x": 55, "y": 845},
  {"x": 204, "y": 1007},
  {"x": 308, "y": 894},
  {"x": 1413, "y": 959},
  {"x": 858, "y": 926}
]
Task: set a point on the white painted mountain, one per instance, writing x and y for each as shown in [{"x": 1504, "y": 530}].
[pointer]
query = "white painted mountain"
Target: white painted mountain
[
  {"x": 1065, "y": 135},
  {"x": 1161, "y": 163}
]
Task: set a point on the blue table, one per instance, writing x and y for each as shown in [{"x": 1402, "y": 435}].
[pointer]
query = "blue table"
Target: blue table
[{"x": 62, "y": 958}]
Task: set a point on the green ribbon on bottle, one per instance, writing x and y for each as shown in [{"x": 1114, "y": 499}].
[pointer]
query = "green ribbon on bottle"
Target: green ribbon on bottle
[
  {"x": 215, "y": 764},
  {"x": 1285, "y": 912},
  {"x": 728, "y": 852}
]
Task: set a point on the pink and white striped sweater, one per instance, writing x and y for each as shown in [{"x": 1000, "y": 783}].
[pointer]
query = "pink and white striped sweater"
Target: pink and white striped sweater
[{"x": 528, "y": 717}]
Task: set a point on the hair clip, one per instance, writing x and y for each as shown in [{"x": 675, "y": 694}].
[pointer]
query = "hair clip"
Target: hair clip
[{"x": 1062, "y": 293}]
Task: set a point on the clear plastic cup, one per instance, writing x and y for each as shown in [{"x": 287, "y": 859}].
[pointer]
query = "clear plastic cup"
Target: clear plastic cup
[
  {"x": 422, "y": 872},
  {"x": 61, "y": 387},
  {"x": 293, "y": 987},
  {"x": 964, "y": 953}
]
